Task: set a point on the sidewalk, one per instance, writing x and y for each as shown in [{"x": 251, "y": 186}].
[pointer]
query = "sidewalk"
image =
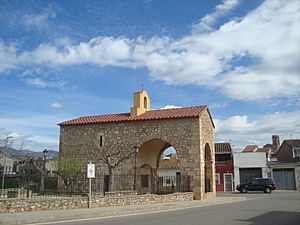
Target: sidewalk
[{"x": 72, "y": 214}]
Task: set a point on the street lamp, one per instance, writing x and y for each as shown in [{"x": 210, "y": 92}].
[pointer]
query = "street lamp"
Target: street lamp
[
  {"x": 45, "y": 152},
  {"x": 4, "y": 164},
  {"x": 136, "y": 150}
]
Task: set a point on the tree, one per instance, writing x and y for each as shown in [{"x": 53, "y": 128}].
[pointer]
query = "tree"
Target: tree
[
  {"x": 69, "y": 170},
  {"x": 41, "y": 171},
  {"x": 112, "y": 160}
]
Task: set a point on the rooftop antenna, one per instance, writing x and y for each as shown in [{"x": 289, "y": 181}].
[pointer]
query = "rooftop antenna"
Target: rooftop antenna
[
  {"x": 291, "y": 136},
  {"x": 142, "y": 87}
]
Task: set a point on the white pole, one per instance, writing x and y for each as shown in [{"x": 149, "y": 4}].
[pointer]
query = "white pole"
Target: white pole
[
  {"x": 4, "y": 171},
  {"x": 90, "y": 193},
  {"x": 4, "y": 166}
]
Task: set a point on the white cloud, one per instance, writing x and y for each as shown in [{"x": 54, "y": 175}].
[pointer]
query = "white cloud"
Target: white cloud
[
  {"x": 251, "y": 58},
  {"x": 42, "y": 83},
  {"x": 35, "y": 132},
  {"x": 171, "y": 107},
  {"x": 207, "y": 21},
  {"x": 8, "y": 57},
  {"x": 244, "y": 131},
  {"x": 40, "y": 20},
  {"x": 57, "y": 105}
]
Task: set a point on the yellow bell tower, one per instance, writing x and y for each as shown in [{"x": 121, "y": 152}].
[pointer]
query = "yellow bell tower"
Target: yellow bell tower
[{"x": 141, "y": 103}]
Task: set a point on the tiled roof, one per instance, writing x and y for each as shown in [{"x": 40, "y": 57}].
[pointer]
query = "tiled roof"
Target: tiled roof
[
  {"x": 250, "y": 148},
  {"x": 293, "y": 143},
  {"x": 188, "y": 112},
  {"x": 170, "y": 163},
  {"x": 221, "y": 148},
  {"x": 267, "y": 150}
]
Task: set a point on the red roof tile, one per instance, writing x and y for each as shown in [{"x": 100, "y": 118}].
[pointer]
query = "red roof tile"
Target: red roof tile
[
  {"x": 169, "y": 164},
  {"x": 267, "y": 150},
  {"x": 250, "y": 148},
  {"x": 221, "y": 148},
  {"x": 189, "y": 112}
]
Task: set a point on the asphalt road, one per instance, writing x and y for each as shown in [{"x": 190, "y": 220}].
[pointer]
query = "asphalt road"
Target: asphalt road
[{"x": 260, "y": 209}]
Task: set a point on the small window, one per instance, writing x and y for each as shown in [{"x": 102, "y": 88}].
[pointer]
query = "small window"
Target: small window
[
  {"x": 296, "y": 153},
  {"x": 101, "y": 141},
  {"x": 145, "y": 181},
  {"x": 218, "y": 180}
]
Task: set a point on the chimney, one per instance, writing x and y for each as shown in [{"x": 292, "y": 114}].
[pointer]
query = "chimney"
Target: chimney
[{"x": 275, "y": 142}]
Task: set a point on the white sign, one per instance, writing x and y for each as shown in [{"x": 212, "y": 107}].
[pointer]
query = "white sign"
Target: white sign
[{"x": 90, "y": 170}]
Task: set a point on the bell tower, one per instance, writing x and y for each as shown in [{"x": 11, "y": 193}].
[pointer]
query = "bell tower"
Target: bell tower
[{"x": 141, "y": 103}]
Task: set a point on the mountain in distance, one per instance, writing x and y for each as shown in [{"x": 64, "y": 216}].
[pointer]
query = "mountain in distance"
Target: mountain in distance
[{"x": 19, "y": 154}]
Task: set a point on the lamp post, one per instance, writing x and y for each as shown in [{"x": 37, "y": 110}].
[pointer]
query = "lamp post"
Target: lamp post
[
  {"x": 45, "y": 152},
  {"x": 136, "y": 150},
  {"x": 4, "y": 164}
]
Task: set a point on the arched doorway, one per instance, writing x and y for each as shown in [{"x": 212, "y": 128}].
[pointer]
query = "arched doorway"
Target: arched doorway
[
  {"x": 208, "y": 169},
  {"x": 145, "y": 179}
]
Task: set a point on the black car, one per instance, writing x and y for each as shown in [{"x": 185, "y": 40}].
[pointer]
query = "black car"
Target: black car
[{"x": 266, "y": 185}]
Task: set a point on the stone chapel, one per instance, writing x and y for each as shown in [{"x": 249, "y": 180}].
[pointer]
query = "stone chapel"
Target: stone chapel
[{"x": 141, "y": 136}]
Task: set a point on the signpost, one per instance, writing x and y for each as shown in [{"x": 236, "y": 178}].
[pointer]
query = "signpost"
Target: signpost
[{"x": 90, "y": 175}]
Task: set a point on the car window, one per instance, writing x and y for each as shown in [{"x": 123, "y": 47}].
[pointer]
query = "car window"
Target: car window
[{"x": 253, "y": 182}]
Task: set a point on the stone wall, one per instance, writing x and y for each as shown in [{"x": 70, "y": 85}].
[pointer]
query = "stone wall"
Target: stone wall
[{"x": 23, "y": 205}]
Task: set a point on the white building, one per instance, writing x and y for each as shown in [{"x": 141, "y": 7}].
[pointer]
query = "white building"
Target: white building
[
  {"x": 7, "y": 164},
  {"x": 249, "y": 165}
]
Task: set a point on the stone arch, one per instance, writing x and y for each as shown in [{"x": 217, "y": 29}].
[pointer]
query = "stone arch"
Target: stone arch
[
  {"x": 148, "y": 160},
  {"x": 208, "y": 169},
  {"x": 146, "y": 138},
  {"x": 150, "y": 153}
]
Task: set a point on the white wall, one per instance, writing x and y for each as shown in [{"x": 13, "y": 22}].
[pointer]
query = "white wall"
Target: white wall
[
  {"x": 249, "y": 160},
  {"x": 8, "y": 162},
  {"x": 168, "y": 172}
]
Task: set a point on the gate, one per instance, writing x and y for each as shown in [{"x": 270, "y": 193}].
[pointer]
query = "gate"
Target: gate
[{"x": 284, "y": 179}]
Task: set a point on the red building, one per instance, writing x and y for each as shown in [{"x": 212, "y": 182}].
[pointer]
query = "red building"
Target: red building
[{"x": 224, "y": 167}]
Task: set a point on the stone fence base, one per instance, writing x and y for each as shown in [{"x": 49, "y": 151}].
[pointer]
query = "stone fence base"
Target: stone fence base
[{"x": 23, "y": 205}]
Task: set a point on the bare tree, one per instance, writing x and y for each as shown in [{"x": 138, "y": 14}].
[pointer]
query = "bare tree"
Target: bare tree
[
  {"x": 41, "y": 170},
  {"x": 112, "y": 160}
]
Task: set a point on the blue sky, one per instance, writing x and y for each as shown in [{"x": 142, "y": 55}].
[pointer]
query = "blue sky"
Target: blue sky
[{"x": 64, "y": 59}]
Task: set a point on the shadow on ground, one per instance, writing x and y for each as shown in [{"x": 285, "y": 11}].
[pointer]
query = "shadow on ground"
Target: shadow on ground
[{"x": 275, "y": 218}]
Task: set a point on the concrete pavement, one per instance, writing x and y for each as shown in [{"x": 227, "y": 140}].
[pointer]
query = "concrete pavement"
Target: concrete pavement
[{"x": 71, "y": 214}]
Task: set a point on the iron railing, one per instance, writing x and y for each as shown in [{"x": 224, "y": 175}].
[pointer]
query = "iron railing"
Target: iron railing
[{"x": 54, "y": 187}]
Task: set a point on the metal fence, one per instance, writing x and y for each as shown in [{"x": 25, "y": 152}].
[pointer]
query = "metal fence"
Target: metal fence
[{"x": 54, "y": 187}]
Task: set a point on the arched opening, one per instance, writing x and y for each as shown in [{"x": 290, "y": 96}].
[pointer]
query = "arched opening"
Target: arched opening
[
  {"x": 146, "y": 178},
  {"x": 145, "y": 103},
  {"x": 169, "y": 173},
  {"x": 159, "y": 170},
  {"x": 208, "y": 169}
]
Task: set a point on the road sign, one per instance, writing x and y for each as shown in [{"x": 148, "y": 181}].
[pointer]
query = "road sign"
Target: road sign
[{"x": 90, "y": 170}]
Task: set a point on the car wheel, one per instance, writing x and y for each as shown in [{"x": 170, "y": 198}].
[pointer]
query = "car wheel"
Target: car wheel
[
  {"x": 244, "y": 190},
  {"x": 268, "y": 190}
]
